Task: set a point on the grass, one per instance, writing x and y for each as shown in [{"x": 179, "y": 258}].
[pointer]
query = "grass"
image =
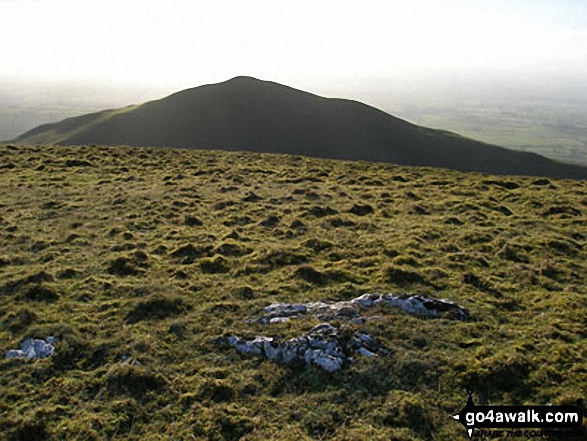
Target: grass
[{"x": 152, "y": 253}]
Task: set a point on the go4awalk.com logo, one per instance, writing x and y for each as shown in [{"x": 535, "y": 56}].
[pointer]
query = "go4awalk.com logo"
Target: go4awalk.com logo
[{"x": 524, "y": 421}]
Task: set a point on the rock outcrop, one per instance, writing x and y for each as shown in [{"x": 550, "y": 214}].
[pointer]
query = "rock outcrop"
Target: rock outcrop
[
  {"x": 412, "y": 304},
  {"x": 329, "y": 347},
  {"x": 33, "y": 348},
  {"x": 324, "y": 346}
]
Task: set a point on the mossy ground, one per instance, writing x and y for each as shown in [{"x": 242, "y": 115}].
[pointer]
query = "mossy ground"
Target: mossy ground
[{"x": 152, "y": 253}]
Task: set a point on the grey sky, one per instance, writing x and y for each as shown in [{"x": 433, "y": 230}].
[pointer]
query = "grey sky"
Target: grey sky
[{"x": 185, "y": 43}]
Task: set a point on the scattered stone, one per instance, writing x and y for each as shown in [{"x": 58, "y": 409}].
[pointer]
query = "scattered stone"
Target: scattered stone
[
  {"x": 324, "y": 346},
  {"x": 351, "y": 310},
  {"x": 416, "y": 305},
  {"x": 282, "y": 311},
  {"x": 366, "y": 352},
  {"x": 33, "y": 349}
]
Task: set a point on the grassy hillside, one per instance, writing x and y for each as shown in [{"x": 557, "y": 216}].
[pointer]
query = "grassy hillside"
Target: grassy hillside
[
  {"x": 88, "y": 254},
  {"x": 261, "y": 116}
]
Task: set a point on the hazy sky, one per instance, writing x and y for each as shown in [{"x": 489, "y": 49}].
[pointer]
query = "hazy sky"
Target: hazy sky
[{"x": 178, "y": 44}]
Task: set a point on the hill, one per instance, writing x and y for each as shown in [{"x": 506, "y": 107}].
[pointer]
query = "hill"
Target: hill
[
  {"x": 261, "y": 116},
  {"x": 139, "y": 260}
]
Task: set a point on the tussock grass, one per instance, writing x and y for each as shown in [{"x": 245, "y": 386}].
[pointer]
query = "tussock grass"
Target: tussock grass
[{"x": 152, "y": 253}]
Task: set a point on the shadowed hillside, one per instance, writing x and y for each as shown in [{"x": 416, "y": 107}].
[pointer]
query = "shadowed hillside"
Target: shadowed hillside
[{"x": 261, "y": 116}]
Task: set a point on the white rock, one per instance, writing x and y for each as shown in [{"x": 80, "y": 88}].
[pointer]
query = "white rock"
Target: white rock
[
  {"x": 285, "y": 309},
  {"x": 252, "y": 347},
  {"x": 365, "y": 338},
  {"x": 272, "y": 351},
  {"x": 366, "y": 300},
  {"x": 323, "y": 328},
  {"x": 232, "y": 340},
  {"x": 279, "y": 320},
  {"x": 14, "y": 353},
  {"x": 333, "y": 348},
  {"x": 32, "y": 349},
  {"x": 325, "y": 361},
  {"x": 36, "y": 348},
  {"x": 366, "y": 352},
  {"x": 289, "y": 353}
]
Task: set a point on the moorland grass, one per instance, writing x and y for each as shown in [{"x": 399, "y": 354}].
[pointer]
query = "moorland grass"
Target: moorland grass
[{"x": 147, "y": 255}]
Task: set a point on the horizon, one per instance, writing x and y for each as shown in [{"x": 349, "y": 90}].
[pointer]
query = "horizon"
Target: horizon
[
  {"x": 522, "y": 116},
  {"x": 432, "y": 63}
]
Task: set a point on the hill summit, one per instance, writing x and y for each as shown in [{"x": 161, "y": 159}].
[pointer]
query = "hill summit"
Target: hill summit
[{"x": 245, "y": 113}]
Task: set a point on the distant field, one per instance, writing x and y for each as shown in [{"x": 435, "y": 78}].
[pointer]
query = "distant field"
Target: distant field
[
  {"x": 137, "y": 259},
  {"x": 553, "y": 129},
  {"x": 15, "y": 120}
]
